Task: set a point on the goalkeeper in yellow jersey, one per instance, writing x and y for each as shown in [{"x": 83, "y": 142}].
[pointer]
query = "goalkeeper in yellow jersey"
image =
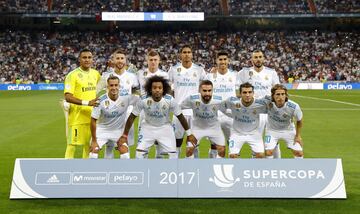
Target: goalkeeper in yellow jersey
[{"x": 80, "y": 92}]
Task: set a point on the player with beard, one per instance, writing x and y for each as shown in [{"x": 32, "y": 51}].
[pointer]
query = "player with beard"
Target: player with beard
[
  {"x": 263, "y": 79},
  {"x": 205, "y": 121}
]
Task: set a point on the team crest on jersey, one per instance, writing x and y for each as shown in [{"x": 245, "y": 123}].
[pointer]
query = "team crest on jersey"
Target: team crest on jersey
[
  {"x": 271, "y": 105},
  {"x": 237, "y": 105},
  {"x": 230, "y": 79},
  {"x": 178, "y": 70},
  {"x": 145, "y": 73},
  {"x": 107, "y": 103},
  {"x": 149, "y": 102},
  {"x": 214, "y": 75},
  {"x": 251, "y": 73},
  {"x": 254, "y": 112},
  {"x": 164, "y": 107},
  {"x": 122, "y": 104},
  {"x": 266, "y": 78},
  {"x": 197, "y": 104},
  {"x": 194, "y": 75},
  {"x": 80, "y": 75},
  {"x": 214, "y": 108},
  {"x": 285, "y": 115},
  {"x": 128, "y": 82}
]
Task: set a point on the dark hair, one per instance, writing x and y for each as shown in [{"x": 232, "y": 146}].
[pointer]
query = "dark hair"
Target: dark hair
[
  {"x": 119, "y": 51},
  {"x": 279, "y": 87},
  {"x": 151, "y": 80},
  {"x": 222, "y": 53},
  {"x": 185, "y": 46},
  {"x": 84, "y": 50},
  {"x": 152, "y": 53},
  {"x": 112, "y": 77},
  {"x": 246, "y": 85},
  {"x": 205, "y": 82}
]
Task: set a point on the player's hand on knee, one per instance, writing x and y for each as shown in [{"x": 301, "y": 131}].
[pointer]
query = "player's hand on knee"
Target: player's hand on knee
[
  {"x": 121, "y": 141},
  {"x": 298, "y": 140},
  {"x": 95, "y": 102},
  {"x": 192, "y": 139},
  {"x": 123, "y": 148}
]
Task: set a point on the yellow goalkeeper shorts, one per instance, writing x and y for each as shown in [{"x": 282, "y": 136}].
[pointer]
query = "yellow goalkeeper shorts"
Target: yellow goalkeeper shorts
[{"x": 79, "y": 134}]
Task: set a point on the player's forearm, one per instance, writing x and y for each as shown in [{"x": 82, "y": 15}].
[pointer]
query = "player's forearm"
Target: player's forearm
[
  {"x": 129, "y": 123},
  {"x": 71, "y": 99},
  {"x": 93, "y": 128},
  {"x": 183, "y": 121}
]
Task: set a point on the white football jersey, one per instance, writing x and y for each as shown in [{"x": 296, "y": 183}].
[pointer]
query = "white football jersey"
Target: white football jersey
[
  {"x": 185, "y": 81},
  {"x": 262, "y": 81},
  {"x": 280, "y": 119},
  {"x": 128, "y": 81},
  {"x": 111, "y": 115},
  {"x": 144, "y": 75},
  {"x": 246, "y": 119},
  {"x": 224, "y": 85},
  {"x": 157, "y": 113},
  {"x": 205, "y": 115}
]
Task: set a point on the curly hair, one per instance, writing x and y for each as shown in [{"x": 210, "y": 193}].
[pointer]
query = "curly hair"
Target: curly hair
[{"x": 151, "y": 80}]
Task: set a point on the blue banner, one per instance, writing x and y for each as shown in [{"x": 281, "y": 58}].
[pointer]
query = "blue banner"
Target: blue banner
[
  {"x": 341, "y": 86},
  {"x": 31, "y": 87}
]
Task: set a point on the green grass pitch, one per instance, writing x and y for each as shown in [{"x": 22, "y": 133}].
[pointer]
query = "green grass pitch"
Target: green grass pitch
[{"x": 32, "y": 126}]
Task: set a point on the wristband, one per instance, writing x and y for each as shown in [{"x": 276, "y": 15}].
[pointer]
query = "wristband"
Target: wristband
[
  {"x": 188, "y": 132},
  {"x": 84, "y": 102}
]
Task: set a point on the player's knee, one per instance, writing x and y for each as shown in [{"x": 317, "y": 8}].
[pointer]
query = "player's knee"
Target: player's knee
[
  {"x": 298, "y": 153},
  {"x": 269, "y": 152},
  {"x": 259, "y": 155}
]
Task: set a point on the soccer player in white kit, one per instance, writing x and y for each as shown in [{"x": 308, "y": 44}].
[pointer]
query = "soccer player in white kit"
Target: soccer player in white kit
[
  {"x": 281, "y": 112},
  {"x": 245, "y": 112},
  {"x": 262, "y": 78},
  {"x": 129, "y": 84},
  {"x": 156, "y": 126},
  {"x": 108, "y": 119},
  {"x": 185, "y": 78},
  {"x": 153, "y": 61},
  {"x": 224, "y": 84},
  {"x": 205, "y": 122}
]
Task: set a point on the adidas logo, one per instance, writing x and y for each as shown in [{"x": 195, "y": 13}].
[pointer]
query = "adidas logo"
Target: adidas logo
[
  {"x": 223, "y": 176},
  {"x": 53, "y": 179}
]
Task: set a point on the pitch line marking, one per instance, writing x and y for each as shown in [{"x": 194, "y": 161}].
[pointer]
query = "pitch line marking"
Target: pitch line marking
[
  {"x": 330, "y": 100},
  {"x": 331, "y": 109}
]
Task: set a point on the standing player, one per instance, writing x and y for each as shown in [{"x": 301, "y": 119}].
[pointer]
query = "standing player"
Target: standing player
[
  {"x": 281, "y": 112},
  {"x": 153, "y": 61},
  {"x": 185, "y": 78},
  {"x": 205, "y": 122},
  {"x": 108, "y": 119},
  {"x": 129, "y": 84},
  {"x": 224, "y": 81},
  {"x": 80, "y": 92},
  {"x": 245, "y": 112},
  {"x": 157, "y": 106},
  {"x": 262, "y": 78}
]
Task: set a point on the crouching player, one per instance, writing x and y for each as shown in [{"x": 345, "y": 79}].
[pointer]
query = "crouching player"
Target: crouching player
[
  {"x": 245, "y": 112},
  {"x": 281, "y": 112},
  {"x": 108, "y": 119},
  {"x": 156, "y": 126},
  {"x": 205, "y": 121}
]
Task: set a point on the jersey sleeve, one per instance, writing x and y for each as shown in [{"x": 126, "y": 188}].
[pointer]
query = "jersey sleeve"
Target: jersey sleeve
[
  {"x": 186, "y": 104},
  {"x": 175, "y": 107},
  {"x": 275, "y": 78},
  {"x": 133, "y": 99},
  {"x": 135, "y": 81},
  {"x": 298, "y": 113},
  {"x": 101, "y": 84},
  {"x": 239, "y": 78},
  {"x": 96, "y": 112},
  {"x": 70, "y": 83},
  {"x": 138, "y": 108},
  {"x": 202, "y": 74},
  {"x": 171, "y": 75}
]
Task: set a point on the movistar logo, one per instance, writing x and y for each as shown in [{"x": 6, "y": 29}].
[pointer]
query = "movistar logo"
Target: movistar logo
[{"x": 224, "y": 176}]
